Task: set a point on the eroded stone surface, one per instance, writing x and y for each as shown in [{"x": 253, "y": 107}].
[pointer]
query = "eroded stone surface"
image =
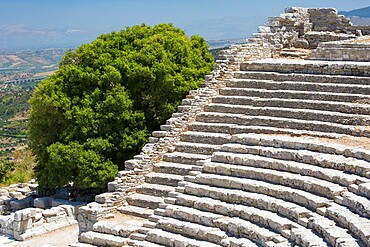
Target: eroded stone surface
[{"x": 267, "y": 152}]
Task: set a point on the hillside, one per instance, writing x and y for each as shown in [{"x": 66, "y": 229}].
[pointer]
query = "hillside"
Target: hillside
[
  {"x": 29, "y": 64},
  {"x": 363, "y": 12},
  {"x": 20, "y": 72},
  {"x": 358, "y": 16}
]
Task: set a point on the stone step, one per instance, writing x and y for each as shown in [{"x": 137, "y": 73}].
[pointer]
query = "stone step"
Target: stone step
[
  {"x": 351, "y": 68},
  {"x": 184, "y": 158},
  {"x": 300, "y": 197},
  {"x": 331, "y": 175},
  {"x": 268, "y": 216},
  {"x": 297, "y": 196},
  {"x": 145, "y": 244},
  {"x": 252, "y": 199},
  {"x": 302, "y": 114},
  {"x": 138, "y": 236},
  {"x": 159, "y": 190},
  {"x": 101, "y": 239},
  {"x": 206, "y": 138},
  {"x": 275, "y": 76},
  {"x": 293, "y": 54},
  {"x": 172, "y": 168},
  {"x": 233, "y": 241},
  {"x": 82, "y": 245},
  {"x": 357, "y": 225},
  {"x": 332, "y": 161},
  {"x": 163, "y": 178},
  {"x": 205, "y": 211},
  {"x": 356, "y": 203},
  {"x": 300, "y": 86},
  {"x": 291, "y": 94},
  {"x": 301, "y": 215},
  {"x": 165, "y": 238},
  {"x": 136, "y": 211},
  {"x": 305, "y": 183},
  {"x": 144, "y": 201},
  {"x": 116, "y": 229},
  {"x": 334, "y": 235},
  {"x": 364, "y": 190},
  {"x": 233, "y": 129},
  {"x": 302, "y": 143},
  {"x": 279, "y": 122},
  {"x": 239, "y": 227},
  {"x": 344, "y": 107},
  {"x": 196, "y": 148},
  {"x": 159, "y": 133},
  {"x": 192, "y": 230},
  {"x": 214, "y": 234}
]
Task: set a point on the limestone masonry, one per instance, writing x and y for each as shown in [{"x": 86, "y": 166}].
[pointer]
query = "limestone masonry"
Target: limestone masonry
[{"x": 272, "y": 150}]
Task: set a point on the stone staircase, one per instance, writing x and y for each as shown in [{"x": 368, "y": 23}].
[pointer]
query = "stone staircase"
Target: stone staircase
[
  {"x": 269, "y": 152},
  {"x": 275, "y": 159}
]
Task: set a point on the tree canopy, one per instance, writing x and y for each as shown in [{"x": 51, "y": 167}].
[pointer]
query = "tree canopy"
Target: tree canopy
[{"x": 107, "y": 96}]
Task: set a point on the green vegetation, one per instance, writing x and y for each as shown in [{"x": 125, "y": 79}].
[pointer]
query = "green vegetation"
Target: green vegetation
[
  {"x": 12, "y": 103},
  {"x": 18, "y": 78},
  {"x": 19, "y": 169},
  {"x": 107, "y": 96}
]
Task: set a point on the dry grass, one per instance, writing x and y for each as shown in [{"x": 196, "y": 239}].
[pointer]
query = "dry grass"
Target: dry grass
[{"x": 23, "y": 167}]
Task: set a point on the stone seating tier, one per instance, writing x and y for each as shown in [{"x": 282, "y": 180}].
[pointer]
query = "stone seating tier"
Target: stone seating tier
[{"x": 271, "y": 152}]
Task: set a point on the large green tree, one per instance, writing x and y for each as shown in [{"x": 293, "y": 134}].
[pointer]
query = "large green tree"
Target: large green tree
[{"x": 107, "y": 96}]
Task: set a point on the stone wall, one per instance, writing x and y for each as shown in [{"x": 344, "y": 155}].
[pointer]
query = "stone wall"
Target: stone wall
[
  {"x": 243, "y": 52},
  {"x": 305, "y": 28},
  {"x": 316, "y": 38},
  {"x": 31, "y": 222},
  {"x": 23, "y": 215},
  {"x": 328, "y": 20},
  {"x": 17, "y": 196},
  {"x": 353, "y": 50},
  {"x": 365, "y": 30}
]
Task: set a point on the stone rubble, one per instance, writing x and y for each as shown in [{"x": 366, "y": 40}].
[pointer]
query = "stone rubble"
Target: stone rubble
[
  {"x": 17, "y": 196},
  {"x": 25, "y": 215}
]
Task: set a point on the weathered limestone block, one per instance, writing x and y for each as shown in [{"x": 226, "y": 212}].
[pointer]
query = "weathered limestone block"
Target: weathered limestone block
[
  {"x": 264, "y": 29},
  {"x": 364, "y": 189},
  {"x": 90, "y": 214},
  {"x": 327, "y": 19},
  {"x": 43, "y": 202},
  {"x": 347, "y": 50},
  {"x": 21, "y": 204},
  {"x": 16, "y": 195},
  {"x": 4, "y": 192},
  {"x": 301, "y": 43}
]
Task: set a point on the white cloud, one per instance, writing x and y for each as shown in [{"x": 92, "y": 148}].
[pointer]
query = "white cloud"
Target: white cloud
[{"x": 74, "y": 30}]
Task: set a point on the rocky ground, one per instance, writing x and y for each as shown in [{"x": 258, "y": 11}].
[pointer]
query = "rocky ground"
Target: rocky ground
[{"x": 60, "y": 238}]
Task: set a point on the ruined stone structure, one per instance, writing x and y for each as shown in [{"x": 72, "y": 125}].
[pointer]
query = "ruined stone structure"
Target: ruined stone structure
[
  {"x": 347, "y": 50},
  {"x": 23, "y": 216},
  {"x": 270, "y": 151}
]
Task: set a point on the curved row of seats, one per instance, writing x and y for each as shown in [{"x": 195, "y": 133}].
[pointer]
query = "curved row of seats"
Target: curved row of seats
[{"x": 264, "y": 164}]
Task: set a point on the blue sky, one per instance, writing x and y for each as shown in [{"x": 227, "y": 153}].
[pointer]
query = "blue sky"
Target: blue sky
[{"x": 58, "y": 23}]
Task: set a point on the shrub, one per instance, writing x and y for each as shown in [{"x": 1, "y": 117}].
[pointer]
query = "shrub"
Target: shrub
[{"x": 107, "y": 96}]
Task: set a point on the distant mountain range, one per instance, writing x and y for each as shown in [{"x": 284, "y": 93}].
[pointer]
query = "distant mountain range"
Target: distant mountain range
[
  {"x": 363, "y": 12},
  {"x": 358, "y": 16}
]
